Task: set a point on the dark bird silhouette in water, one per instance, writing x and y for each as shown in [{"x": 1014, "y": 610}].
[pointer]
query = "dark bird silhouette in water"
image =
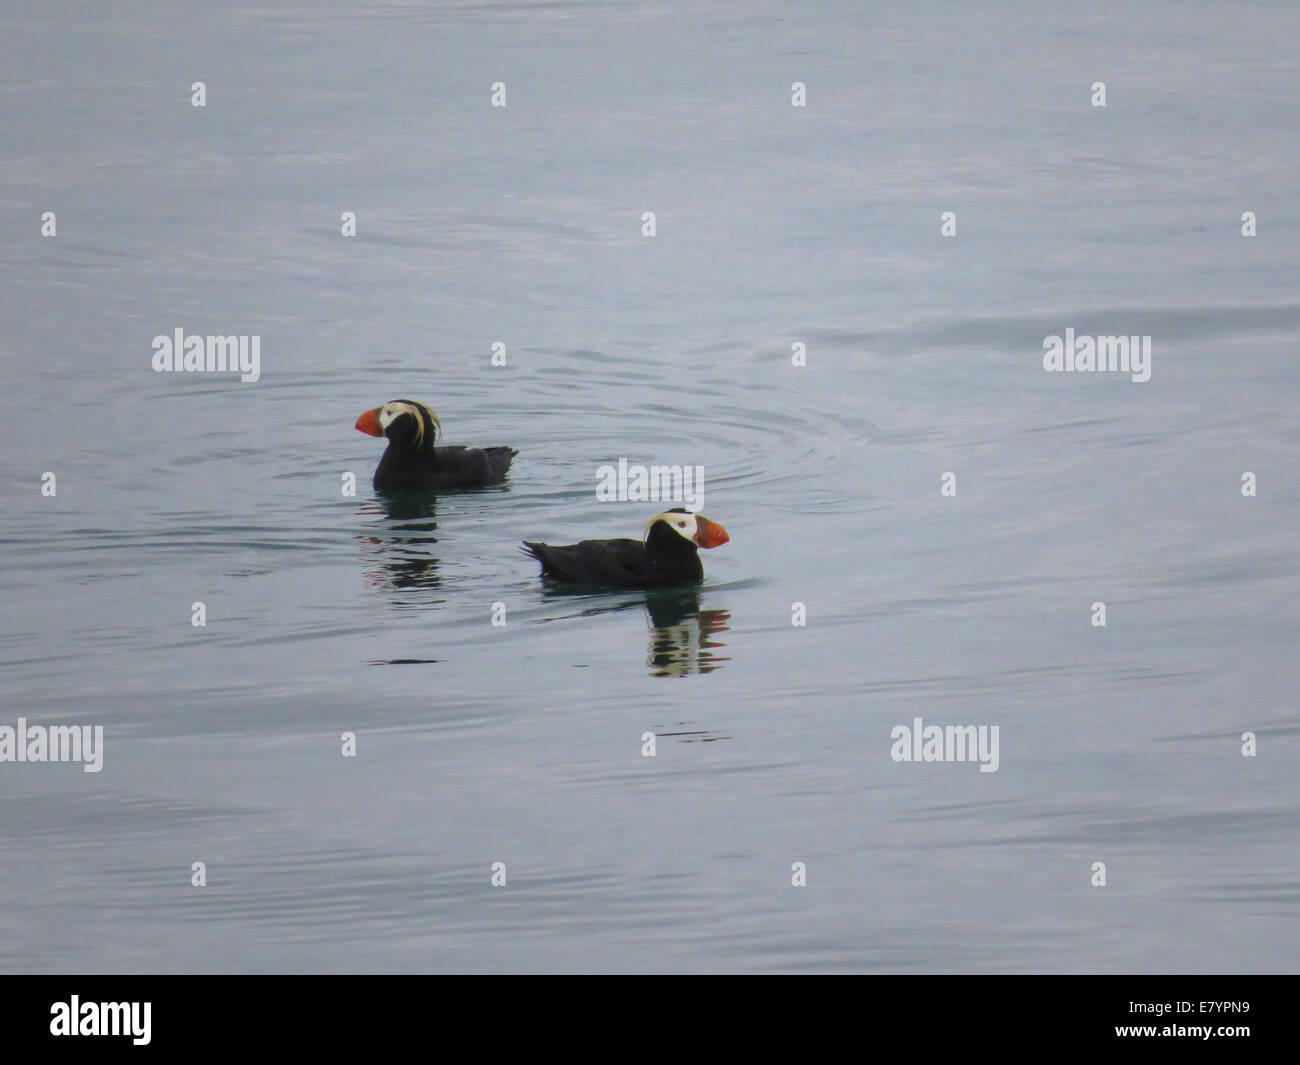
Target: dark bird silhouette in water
[
  {"x": 667, "y": 554},
  {"x": 412, "y": 463}
]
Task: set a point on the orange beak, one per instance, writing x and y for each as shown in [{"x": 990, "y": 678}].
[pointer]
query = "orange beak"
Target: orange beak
[
  {"x": 709, "y": 533},
  {"x": 369, "y": 423}
]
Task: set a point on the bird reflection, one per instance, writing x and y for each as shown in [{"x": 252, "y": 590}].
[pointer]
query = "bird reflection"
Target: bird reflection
[
  {"x": 682, "y": 635},
  {"x": 400, "y": 552}
]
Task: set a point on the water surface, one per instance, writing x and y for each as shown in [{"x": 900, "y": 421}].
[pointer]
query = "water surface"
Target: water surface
[{"x": 522, "y": 744}]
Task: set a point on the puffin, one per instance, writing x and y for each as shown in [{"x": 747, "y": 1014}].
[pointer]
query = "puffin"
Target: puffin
[
  {"x": 412, "y": 463},
  {"x": 667, "y": 554}
]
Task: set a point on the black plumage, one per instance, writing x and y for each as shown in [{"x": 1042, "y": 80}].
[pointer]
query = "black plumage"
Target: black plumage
[
  {"x": 413, "y": 463},
  {"x": 668, "y": 555}
]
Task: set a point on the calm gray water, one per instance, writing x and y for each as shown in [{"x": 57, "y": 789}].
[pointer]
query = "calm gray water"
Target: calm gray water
[{"x": 776, "y": 225}]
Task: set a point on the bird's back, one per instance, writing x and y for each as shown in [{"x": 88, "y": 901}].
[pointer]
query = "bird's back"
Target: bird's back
[
  {"x": 599, "y": 563},
  {"x": 469, "y": 466}
]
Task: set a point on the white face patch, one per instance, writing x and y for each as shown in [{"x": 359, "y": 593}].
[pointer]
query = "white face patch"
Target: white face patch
[
  {"x": 390, "y": 412},
  {"x": 683, "y": 524}
]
